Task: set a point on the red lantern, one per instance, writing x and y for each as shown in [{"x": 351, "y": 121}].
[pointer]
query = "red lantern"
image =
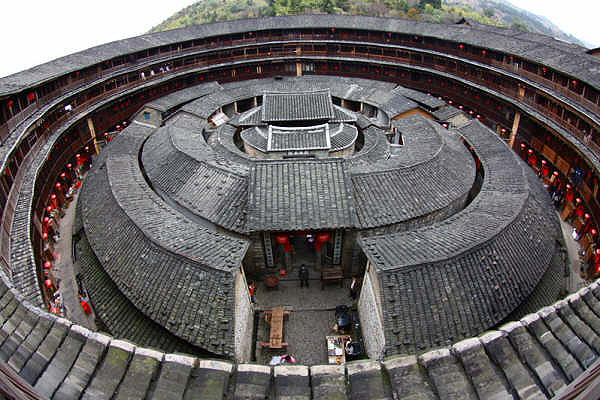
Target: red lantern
[
  {"x": 47, "y": 265},
  {"x": 282, "y": 239},
  {"x": 48, "y": 284},
  {"x": 545, "y": 170},
  {"x": 86, "y": 307},
  {"x": 44, "y": 236},
  {"x": 321, "y": 238}
]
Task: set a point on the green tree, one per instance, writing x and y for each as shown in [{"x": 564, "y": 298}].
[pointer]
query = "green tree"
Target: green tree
[{"x": 520, "y": 26}]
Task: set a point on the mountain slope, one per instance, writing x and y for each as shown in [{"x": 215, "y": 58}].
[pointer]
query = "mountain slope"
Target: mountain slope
[{"x": 491, "y": 12}]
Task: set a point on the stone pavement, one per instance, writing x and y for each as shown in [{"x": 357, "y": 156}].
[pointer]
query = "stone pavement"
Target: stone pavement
[
  {"x": 65, "y": 270},
  {"x": 312, "y": 318},
  {"x": 574, "y": 281}
]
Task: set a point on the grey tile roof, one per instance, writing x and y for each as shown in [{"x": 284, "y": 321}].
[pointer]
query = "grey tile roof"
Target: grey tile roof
[
  {"x": 401, "y": 194},
  {"x": 165, "y": 226},
  {"x": 460, "y": 269},
  {"x": 298, "y": 138},
  {"x": 394, "y": 105},
  {"x": 251, "y": 117},
  {"x": 342, "y": 136},
  {"x": 183, "y": 96},
  {"x": 183, "y": 166},
  {"x": 445, "y": 113},
  {"x": 375, "y": 148},
  {"x": 255, "y": 137},
  {"x": 299, "y": 195},
  {"x": 193, "y": 302},
  {"x": 297, "y": 106},
  {"x": 428, "y": 101},
  {"x": 118, "y": 314},
  {"x": 342, "y": 115},
  {"x": 216, "y": 195}
]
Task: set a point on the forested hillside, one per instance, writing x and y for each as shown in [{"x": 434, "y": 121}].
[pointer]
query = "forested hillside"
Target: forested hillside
[{"x": 491, "y": 12}]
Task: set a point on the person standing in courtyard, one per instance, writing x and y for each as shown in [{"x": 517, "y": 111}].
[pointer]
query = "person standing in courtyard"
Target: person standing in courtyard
[
  {"x": 303, "y": 275},
  {"x": 354, "y": 287}
]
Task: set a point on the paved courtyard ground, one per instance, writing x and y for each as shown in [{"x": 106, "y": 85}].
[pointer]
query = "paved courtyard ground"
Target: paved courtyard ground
[{"x": 312, "y": 318}]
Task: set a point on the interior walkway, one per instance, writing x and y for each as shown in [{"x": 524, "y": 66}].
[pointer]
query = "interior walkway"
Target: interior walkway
[{"x": 65, "y": 270}]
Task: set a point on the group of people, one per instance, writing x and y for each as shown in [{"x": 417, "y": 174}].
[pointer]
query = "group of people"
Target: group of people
[{"x": 161, "y": 69}]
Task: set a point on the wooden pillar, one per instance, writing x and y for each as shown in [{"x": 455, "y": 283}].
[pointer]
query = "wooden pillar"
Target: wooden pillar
[
  {"x": 93, "y": 134},
  {"x": 318, "y": 257},
  {"x": 298, "y": 64},
  {"x": 515, "y": 128}
]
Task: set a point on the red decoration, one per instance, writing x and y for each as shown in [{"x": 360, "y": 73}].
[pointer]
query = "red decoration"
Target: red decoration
[
  {"x": 47, "y": 265},
  {"x": 86, "y": 307},
  {"x": 48, "y": 284},
  {"x": 282, "y": 239},
  {"x": 322, "y": 237}
]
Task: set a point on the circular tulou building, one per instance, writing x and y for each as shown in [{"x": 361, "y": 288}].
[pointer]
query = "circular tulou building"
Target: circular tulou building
[{"x": 415, "y": 157}]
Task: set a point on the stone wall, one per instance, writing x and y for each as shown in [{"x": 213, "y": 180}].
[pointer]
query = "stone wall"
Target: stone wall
[
  {"x": 243, "y": 315},
  {"x": 370, "y": 314}
]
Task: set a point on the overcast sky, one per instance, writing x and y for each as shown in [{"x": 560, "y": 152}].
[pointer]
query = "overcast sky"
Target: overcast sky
[{"x": 34, "y": 32}]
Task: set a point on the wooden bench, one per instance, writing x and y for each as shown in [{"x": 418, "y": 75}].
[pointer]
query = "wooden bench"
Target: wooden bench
[
  {"x": 274, "y": 319},
  {"x": 332, "y": 275}
]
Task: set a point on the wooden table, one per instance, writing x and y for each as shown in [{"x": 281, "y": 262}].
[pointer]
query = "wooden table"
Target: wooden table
[
  {"x": 274, "y": 319},
  {"x": 331, "y": 275}
]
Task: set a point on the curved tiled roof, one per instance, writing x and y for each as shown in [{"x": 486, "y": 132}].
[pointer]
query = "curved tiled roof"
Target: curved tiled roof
[
  {"x": 255, "y": 137},
  {"x": 118, "y": 313},
  {"x": 342, "y": 136},
  {"x": 430, "y": 172},
  {"x": 155, "y": 256},
  {"x": 471, "y": 269}
]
